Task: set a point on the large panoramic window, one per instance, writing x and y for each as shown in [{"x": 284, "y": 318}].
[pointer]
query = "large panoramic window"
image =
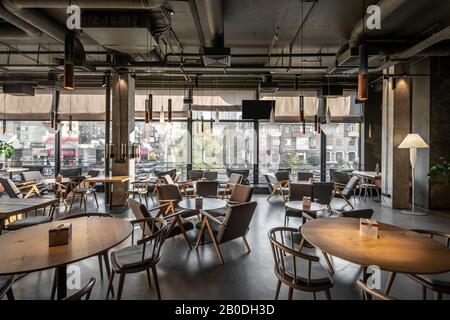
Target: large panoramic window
[
  {"x": 84, "y": 146},
  {"x": 164, "y": 146},
  {"x": 34, "y": 147},
  {"x": 342, "y": 146},
  {"x": 228, "y": 145},
  {"x": 285, "y": 147}
]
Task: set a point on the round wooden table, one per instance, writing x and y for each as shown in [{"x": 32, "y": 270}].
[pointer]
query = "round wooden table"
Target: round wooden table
[
  {"x": 298, "y": 206},
  {"x": 208, "y": 204},
  {"x": 27, "y": 250},
  {"x": 397, "y": 250}
]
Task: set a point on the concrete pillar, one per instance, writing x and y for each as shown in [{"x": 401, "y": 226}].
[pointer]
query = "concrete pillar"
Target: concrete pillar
[
  {"x": 396, "y": 126},
  {"x": 123, "y": 128}
]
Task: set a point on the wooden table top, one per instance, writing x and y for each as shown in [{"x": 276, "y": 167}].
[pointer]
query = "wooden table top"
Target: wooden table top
[
  {"x": 111, "y": 179},
  {"x": 27, "y": 250},
  {"x": 397, "y": 250},
  {"x": 298, "y": 206},
  {"x": 10, "y": 206},
  {"x": 53, "y": 180},
  {"x": 208, "y": 204},
  {"x": 367, "y": 174}
]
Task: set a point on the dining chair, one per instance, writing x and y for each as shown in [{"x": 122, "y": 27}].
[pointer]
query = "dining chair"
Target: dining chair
[
  {"x": 368, "y": 293},
  {"x": 226, "y": 189},
  {"x": 210, "y": 175},
  {"x": 304, "y": 176},
  {"x": 85, "y": 292},
  {"x": 35, "y": 177},
  {"x": 284, "y": 177},
  {"x": 358, "y": 214},
  {"x": 176, "y": 224},
  {"x": 295, "y": 269},
  {"x": 348, "y": 191},
  {"x": 5, "y": 287},
  {"x": 139, "y": 257},
  {"x": 245, "y": 173},
  {"x": 240, "y": 194},
  {"x": 22, "y": 191},
  {"x": 102, "y": 256},
  {"x": 139, "y": 189},
  {"x": 296, "y": 193},
  {"x": 323, "y": 193},
  {"x": 276, "y": 187},
  {"x": 195, "y": 175},
  {"x": 184, "y": 187},
  {"x": 234, "y": 225},
  {"x": 207, "y": 189},
  {"x": 77, "y": 188},
  {"x": 437, "y": 283},
  {"x": 368, "y": 186}
]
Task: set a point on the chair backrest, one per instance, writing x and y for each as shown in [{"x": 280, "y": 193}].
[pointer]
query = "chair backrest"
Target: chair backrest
[
  {"x": 72, "y": 172},
  {"x": 177, "y": 177},
  {"x": 195, "y": 175},
  {"x": 436, "y": 234},
  {"x": 283, "y": 175},
  {"x": 210, "y": 175},
  {"x": 235, "y": 178},
  {"x": 286, "y": 257},
  {"x": 322, "y": 192},
  {"x": 241, "y": 194},
  {"x": 236, "y": 222},
  {"x": 207, "y": 189},
  {"x": 160, "y": 174},
  {"x": 358, "y": 214},
  {"x": 140, "y": 212},
  {"x": 373, "y": 292},
  {"x": 169, "y": 192},
  {"x": 299, "y": 190},
  {"x": 168, "y": 179},
  {"x": 94, "y": 173},
  {"x": 304, "y": 176},
  {"x": 5, "y": 284},
  {"x": 87, "y": 215},
  {"x": 85, "y": 292},
  {"x": 31, "y": 176},
  {"x": 351, "y": 187},
  {"x": 10, "y": 188},
  {"x": 153, "y": 239},
  {"x": 340, "y": 176}
]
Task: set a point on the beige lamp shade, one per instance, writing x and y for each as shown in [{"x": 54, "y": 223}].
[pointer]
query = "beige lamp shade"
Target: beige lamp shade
[{"x": 413, "y": 141}]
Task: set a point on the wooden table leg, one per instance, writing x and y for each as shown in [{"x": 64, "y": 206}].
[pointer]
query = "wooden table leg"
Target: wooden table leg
[
  {"x": 62, "y": 282},
  {"x": 111, "y": 186},
  {"x": 365, "y": 277}
]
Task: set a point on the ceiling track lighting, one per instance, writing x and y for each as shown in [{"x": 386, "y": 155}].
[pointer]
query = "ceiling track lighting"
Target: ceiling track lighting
[
  {"x": 363, "y": 74},
  {"x": 69, "y": 52}
]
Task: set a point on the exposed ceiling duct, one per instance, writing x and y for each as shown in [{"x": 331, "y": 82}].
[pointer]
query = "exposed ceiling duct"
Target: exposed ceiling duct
[
  {"x": 215, "y": 21},
  {"x": 28, "y": 30},
  {"x": 88, "y": 4}
]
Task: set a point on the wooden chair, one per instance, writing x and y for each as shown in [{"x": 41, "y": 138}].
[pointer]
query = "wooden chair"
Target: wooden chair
[
  {"x": 176, "y": 224},
  {"x": 195, "y": 175},
  {"x": 368, "y": 293},
  {"x": 346, "y": 192},
  {"x": 276, "y": 188},
  {"x": 438, "y": 283},
  {"x": 184, "y": 187},
  {"x": 295, "y": 269},
  {"x": 210, "y": 175},
  {"x": 144, "y": 256},
  {"x": 296, "y": 193},
  {"x": 323, "y": 193},
  {"x": 358, "y": 214},
  {"x": 207, "y": 189},
  {"x": 241, "y": 194},
  {"x": 140, "y": 189},
  {"x": 304, "y": 176},
  {"x": 76, "y": 189},
  {"x": 102, "y": 256},
  {"x": 233, "y": 226},
  {"x": 85, "y": 292},
  {"x": 21, "y": 191},
  {"x": 35, "y": 177},
  {"x": 227, "y": 188},
  {"x": 5, "y": 287}
]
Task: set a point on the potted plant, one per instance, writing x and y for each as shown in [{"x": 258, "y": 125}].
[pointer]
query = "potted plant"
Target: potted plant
[
  {"x": 6, "y": 150},
  {"x": 439, "y": 178}
]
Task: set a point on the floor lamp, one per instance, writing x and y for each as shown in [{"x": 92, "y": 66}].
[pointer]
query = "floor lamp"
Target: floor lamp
[{"x": 413, "y": 142}]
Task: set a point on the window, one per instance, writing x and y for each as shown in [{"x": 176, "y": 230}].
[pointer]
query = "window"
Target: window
[
  {"x": 302, "y": 154},
  {"x": 34, "y": 147},
  {"x": 229, "y": 145},
  {"x": 164, "y": 146},
  {"x": 351, "y": 157},
  {"x": 84, "y": 146}
]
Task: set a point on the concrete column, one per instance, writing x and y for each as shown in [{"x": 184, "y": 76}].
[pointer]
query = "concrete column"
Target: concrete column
[
  {"x": 123, "y": 128},
  {"x": 396, "y": 126}
]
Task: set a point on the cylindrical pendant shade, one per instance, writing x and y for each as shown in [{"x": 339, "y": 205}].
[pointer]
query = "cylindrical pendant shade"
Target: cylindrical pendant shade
[
  {"x": 363, "y": 87},
  {"x": 302, "y": 109},
  {"x": 69, "y": 77},
  {"x": 316, "y": 123},
  {"x": 169, "y": 106},
  {"x": 149, "y": 109}
]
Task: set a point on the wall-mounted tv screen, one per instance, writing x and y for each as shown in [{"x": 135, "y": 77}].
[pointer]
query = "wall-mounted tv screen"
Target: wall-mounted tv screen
[{"x": 257, "y": 109}]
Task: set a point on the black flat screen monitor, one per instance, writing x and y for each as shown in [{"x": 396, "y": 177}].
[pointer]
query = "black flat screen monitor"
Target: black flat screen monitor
[{"x": 257, "y": 109}]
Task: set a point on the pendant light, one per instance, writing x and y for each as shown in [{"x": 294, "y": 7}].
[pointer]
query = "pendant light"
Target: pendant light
[
  {"x": 272, "y": 114},
  {"x": 4, "y": 115},
  {"x": 302, "y": 108},
  {"x": 169, "y": 106},
  {"x": 316, "y": 123},
  {"x": 69, "y": 72},
  {"x": 363, "y": 72},
  {"x": 302, "y": 97},
  {"x": 161, "y": 114},
  {"x": 217, "y": 118},
  {"x": 70, "y": 114},
  {"x": 148, "y": 116},
  {"x": 304, "y": 128}
]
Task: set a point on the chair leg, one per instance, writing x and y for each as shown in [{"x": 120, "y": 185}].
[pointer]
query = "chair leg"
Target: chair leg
[
  {"x": 277, "y": 292},
  {"x": 327, "y": 260},
  {"x": 10, "y": 295},
  {"x": 328, "y": 294},
  {"x": 155, "y": 278},
  {"x": 246, "y": 245},
  {"x": 290, "y": 293},
  {"x": 146, "y": 199},
  {"x": 437, "y": 296},
  {"x": 100, "y": 266},
  {"x": 121, "y": 282},
  {"x": 200, "y": 235},
  {"x": 183, "y": 232},
  {"x": 149, "y": 278},
  {"x": 216, "y": 246},
  {"x": 424, "y": 293},
  {"x": 54, "y": 285},
  {"x": 315, "y": 296},
  {"x": 71, "y": 205},
  {"x": 95, "y": 198},
  {"x": 110, "y": 285},
  {"x": 85, "y": 203},
  {"x": 390, "y": 281}
]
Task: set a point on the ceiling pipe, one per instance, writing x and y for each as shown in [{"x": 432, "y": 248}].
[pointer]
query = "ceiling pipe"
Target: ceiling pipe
[
  {"x": 388, "y": 9},
  {"x": 9, "y": 32},
  {"x": 28, "y": 30},
  {"x": 214, "y": 17},
  {"x": 198, "y": 25},
  {"x": 88, "y": 4}
]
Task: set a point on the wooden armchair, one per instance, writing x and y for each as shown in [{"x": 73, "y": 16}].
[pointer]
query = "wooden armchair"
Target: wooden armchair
[
  {"x": 21, "y": 191},
  {"x": 277, "y": 188},
  {"x": 346, "y": 192}
]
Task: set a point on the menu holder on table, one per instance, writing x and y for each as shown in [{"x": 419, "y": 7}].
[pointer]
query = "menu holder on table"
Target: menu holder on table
[
  {"x": 198, "y": 203},
  {"x": 369, "y": 228},
  {"x": 61, "y": 235},
  {"x": 306, "y": 203}
]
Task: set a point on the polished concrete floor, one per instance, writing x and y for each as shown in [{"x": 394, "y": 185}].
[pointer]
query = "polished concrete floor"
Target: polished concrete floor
[{"x": 185, "y": 274}]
